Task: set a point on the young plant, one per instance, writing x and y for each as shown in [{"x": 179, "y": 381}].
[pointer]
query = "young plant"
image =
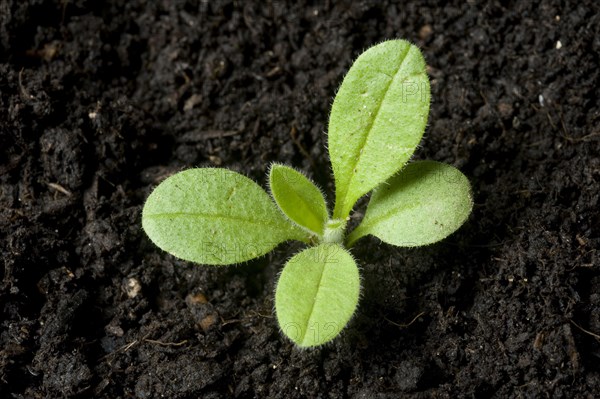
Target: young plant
[{"x": 219, "y": 217}]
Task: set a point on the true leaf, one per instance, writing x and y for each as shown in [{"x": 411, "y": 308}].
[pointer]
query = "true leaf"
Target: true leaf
[
  {"x": 377, "y": 119},
  {"x": 424, "y": 203},
  {"x": 215, "y": 216},
  {"x": 317, "y": 294},
  {"x": 298, "y": 198}
]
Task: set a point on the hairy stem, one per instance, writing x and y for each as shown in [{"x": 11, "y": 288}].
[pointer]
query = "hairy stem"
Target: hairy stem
[{"x": 334, "y": 231}]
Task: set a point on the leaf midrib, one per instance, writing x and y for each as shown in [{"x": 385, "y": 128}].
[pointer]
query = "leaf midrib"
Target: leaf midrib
[
  {"x": 209, "y": 216},
  {"x": 312, "y": 306},
  {"x": 358, "y": 152},
  {"x": 370, "y": 223},
  {"x": 308, "y": 211}
]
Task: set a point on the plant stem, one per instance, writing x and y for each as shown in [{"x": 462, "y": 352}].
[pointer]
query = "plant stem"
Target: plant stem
[{"x": 334, "y": 231}]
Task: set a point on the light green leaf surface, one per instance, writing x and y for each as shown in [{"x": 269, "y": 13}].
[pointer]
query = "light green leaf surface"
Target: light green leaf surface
[
  {"x": 317, "y": 294},
  {"x": 424, "y": 203},
  {"x": 298, "y": 198},
  {"x": 215, "y": 216},
  {"x": 377, "y": 119}
]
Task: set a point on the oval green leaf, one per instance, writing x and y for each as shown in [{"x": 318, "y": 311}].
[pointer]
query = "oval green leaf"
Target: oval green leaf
[
  {"x": 377, "y": 119},
  {"x": 215, "y": 216},
  {"x": 423, "y": 204},
  {"x": 317, "y": 294},
  {"x": 299, "y": 198}
]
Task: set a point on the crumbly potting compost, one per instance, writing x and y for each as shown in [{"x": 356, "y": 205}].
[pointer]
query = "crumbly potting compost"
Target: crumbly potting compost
[{"x": 100, "y": 101}]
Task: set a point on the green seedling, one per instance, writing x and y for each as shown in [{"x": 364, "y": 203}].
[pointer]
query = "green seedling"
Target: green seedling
[{"x": 219, "y": 217}]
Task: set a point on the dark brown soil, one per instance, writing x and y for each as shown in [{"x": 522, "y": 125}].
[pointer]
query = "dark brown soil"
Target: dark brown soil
[{"x": 100, "y": 102}]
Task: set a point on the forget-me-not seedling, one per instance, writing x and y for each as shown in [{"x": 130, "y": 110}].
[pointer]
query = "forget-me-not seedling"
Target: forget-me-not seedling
[{"x": 219, "y": 217}]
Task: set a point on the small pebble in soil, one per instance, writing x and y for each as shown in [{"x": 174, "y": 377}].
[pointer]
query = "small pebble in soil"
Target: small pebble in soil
[{"x": 132, "y": 287}]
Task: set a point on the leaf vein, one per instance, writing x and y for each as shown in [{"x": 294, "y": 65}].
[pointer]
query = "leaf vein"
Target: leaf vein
[
  {"x": 312, "y": 305},
  {"x": 210, "y": 216},
  {"x": 391, "y": 211},
  {"x": 358, "y": 152}
]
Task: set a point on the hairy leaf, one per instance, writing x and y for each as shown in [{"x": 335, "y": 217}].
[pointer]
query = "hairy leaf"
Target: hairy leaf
[
  {"x": 317, "y": 294},
  {"x": 424, "y": 203},
  {"x": 215, "y": 216},
  {"x": 377, "y": 119},
  {"x": 298, "y": 198}
]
